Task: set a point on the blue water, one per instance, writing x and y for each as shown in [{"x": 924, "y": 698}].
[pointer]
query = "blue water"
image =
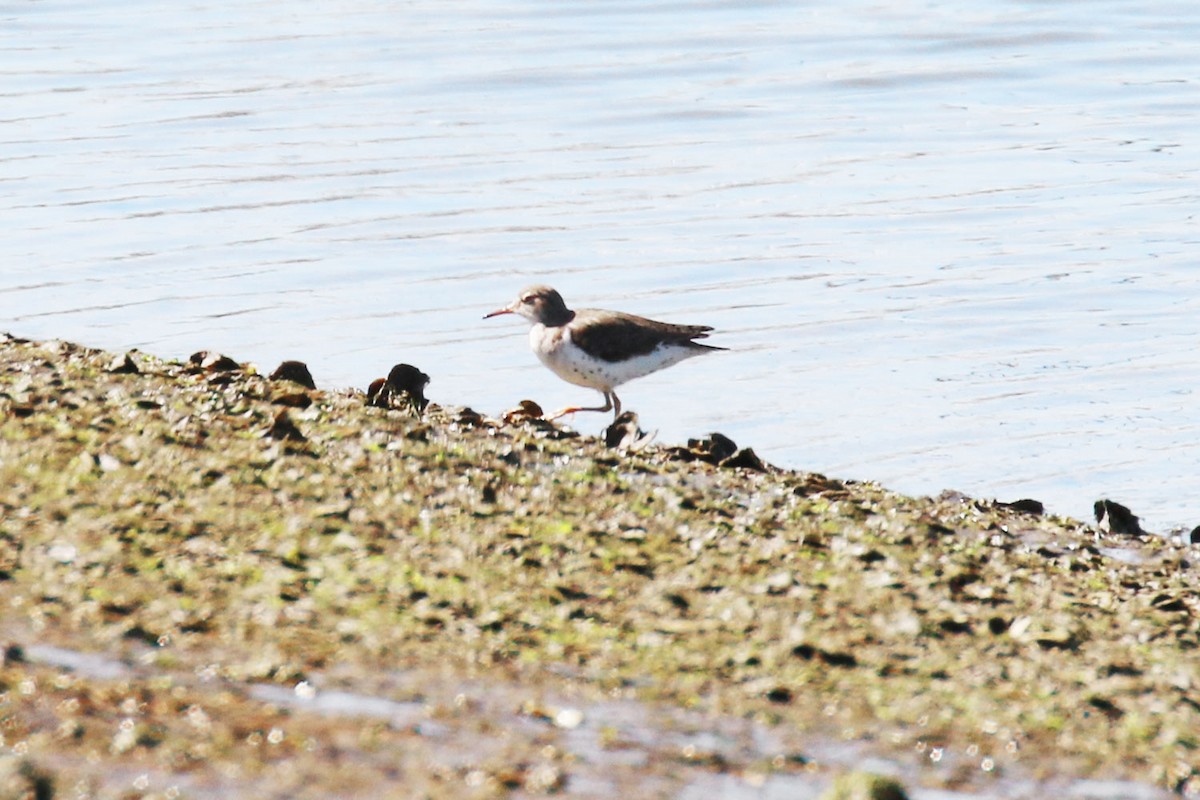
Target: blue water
[{"x": 951, "y": 245}]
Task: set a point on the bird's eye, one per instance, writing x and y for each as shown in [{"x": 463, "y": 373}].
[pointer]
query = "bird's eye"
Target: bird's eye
[{"x": 527, "y": 299}]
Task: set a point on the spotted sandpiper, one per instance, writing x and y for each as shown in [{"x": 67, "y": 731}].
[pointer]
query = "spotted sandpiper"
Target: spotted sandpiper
[{"x": 601, "y": 349}]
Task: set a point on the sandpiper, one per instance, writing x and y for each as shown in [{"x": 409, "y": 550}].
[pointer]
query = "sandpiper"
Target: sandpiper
[{"x": 601, "y": 349}]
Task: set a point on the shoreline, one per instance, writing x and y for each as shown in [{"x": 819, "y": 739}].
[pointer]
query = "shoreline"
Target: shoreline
[{"x": 201, "y": 530}]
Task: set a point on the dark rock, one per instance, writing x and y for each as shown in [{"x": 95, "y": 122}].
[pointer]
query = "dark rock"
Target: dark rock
[
  {"x": 469, "y": 417},
  {"x": 296, "y": 372},
  {"x": 780, "y": 694},
  {"x": 872, "y": 557},
  {"x": 808, "y": 652},
  {"x": 677, "y": 600},
  {"x": 123, "y": 365},
  {"x": 1113, "y": 517},
  {"x": 1120, "y": 669},
  {"x": 13, "y": 654},
  {"x": 208, "y": 361},
  {"x": 404, "y": 387},
  {"x": 1194, "y": 536},
  {"x": 1165, "y": 602},
  {"x": 526, "y": 411},
  {"x": 22, "y": 778},
  {"x": 835, "y": 659},
  {"x": 1106, "y": 707},
  {"x": 373, "y": 391},
  {"x": 1059, "y": 641},
  {"x": 955, "y": 626},
  {"x": 745, "y": 458},
  {"x": 284, "y": 428},
  {"x": 712, "y": 449},
  {"x": 405, "y": 378},
  {"x": 1025, "y": 506},
  {"x": 624, "y": 432},
  {"x": 567, "y": 592},
  {"x": 292, "y": 400},
  {"x": 864, "y": 786},
  {"x": 642, "y": 568},
  {"x": 677, "y": 453},
  {"x": 817, "y": 484},
  {"x": 962, "y": 579},
  {"x": 718, "y": 446},
  {"x": 139, "y": 634}
]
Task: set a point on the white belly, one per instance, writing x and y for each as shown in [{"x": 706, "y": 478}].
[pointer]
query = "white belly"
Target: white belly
[
  {"x": 556, "y": 350},
  {"x": 553, "y": 346}
]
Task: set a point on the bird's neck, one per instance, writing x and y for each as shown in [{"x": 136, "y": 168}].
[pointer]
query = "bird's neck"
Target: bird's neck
[{"x": 556, "y": 318}]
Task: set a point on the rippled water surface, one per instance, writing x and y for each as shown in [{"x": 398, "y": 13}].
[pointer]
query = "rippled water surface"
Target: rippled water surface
[{"x": 951, "y": 245}]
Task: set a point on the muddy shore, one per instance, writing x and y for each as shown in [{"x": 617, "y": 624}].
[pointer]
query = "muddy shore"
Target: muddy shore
[{"x": 217, "y": 584}]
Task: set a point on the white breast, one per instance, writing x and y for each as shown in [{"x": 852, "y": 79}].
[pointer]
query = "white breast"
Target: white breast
[{"x": 553, "y": 346}]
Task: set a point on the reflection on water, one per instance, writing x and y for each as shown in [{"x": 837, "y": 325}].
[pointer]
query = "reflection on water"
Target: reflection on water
[
  {"x": 338, "y": 703},
  {"x": 949, "y": 245},
  {"x": 89, "y": 665}
]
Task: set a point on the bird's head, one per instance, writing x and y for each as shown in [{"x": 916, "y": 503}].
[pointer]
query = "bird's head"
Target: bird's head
[{"x": 538, "y": 304}]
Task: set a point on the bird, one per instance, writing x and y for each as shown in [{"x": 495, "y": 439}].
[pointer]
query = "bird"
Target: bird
[{"x": 601, "y": 349}]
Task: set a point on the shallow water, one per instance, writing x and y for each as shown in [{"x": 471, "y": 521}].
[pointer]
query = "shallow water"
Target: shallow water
[
  {"x": 950, "y": 245},
  {"x": 612, "y": 742},
  {"x": 96, "y": 666}
]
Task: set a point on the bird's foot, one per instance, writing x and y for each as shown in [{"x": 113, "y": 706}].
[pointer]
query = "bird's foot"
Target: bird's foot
[
  {"x": 573, "y": 409},
  {"x": 562, "y": 412}
]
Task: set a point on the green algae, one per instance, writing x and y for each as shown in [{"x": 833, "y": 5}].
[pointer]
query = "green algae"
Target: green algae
[{"x": 156, "y": 510}]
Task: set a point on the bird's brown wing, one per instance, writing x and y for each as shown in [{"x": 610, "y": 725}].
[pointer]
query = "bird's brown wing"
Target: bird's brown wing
[{"x": 612, "y": 336}]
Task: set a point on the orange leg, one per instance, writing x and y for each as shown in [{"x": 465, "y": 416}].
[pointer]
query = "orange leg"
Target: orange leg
[{"x": 611, "y": 402}]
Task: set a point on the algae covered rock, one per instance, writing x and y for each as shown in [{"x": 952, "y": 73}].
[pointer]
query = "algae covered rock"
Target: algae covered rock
[{"x": 864, "y": 786}]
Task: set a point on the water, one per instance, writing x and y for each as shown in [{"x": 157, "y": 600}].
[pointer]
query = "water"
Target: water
[
  {"x": 91, "y": 665},
  {"x": 951, "y": 245},
  {"x": 615, "y": 743}
]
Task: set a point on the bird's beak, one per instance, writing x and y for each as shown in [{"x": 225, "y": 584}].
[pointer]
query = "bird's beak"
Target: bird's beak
[{"x": 499, "y": 311}]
